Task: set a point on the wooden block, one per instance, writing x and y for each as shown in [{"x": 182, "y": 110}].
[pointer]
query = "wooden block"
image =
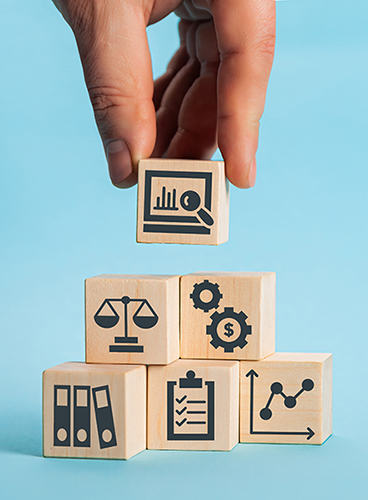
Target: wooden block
[
  {"x": 94, "y": 411},
  {"x": 182, "y": 201},
  {"x": 132, "y": 319},
  {"x": 286, "y": 398},
  {"x": 193, "y": 405},
  {"x": 227, "y": 315}
]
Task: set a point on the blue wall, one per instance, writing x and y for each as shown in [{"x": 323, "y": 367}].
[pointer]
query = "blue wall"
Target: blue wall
[{"x": 61, "y": 221}]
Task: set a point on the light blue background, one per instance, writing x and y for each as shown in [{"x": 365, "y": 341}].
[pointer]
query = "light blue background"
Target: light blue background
[{"x": 306, "y": 219}]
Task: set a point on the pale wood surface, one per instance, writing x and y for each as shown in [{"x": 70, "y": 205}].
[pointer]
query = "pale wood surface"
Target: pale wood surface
[
  {"x": 253, "y": 293},
  {"x": 225, "y": 378},
  {"x": 160, "y": 343},
  {"x": 313, "y": 409},
  {"x": 127, "y": 390},
  {"x": 219, "y": 231}
]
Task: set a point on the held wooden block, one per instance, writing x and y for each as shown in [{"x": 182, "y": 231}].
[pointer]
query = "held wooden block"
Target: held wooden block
[
  {"x": 132, "y": 319},
  {"x": 286, "y": 398},
  {"x": 193, "y": 405},
  {"x": 227, "y": 315},
  {"x": 182, "y": 201},
  {"x": 94, "y": 411}
]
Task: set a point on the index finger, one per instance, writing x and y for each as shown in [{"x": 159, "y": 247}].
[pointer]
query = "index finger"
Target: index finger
[{"x": 245, "y": 32}]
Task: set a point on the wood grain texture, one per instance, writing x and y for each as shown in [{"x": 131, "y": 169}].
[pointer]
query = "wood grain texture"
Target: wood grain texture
[
  {"x": 300, "y": 407},
  {"x": 90, "y": 402},
  {"x": 250, "y": 293},
  {"x": 194, "y": 426},
  {"x": 201, "y": 218},
  {"x": 160, "y": 342}
]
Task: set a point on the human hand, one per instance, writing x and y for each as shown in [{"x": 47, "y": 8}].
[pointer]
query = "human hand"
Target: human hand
[{"x": 213, "y": 91}]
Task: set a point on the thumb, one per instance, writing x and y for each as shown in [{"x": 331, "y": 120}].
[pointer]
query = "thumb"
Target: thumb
[{"x": 112, "y": 42}]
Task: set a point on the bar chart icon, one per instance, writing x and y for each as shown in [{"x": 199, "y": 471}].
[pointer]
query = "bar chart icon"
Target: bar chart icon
[{"x": 167, "y": 201}]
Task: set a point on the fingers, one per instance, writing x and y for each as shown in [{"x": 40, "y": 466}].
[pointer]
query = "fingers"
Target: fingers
[
  {"x": 179, "y": 59},
  {"x": 171, "y": 102},
  {"x": 246, "y": 37},
  {"x": 196, "y": 132},
  {"x": 111, "y": 38}
]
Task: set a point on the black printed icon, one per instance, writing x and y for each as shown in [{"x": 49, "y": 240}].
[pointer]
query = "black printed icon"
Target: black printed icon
[
  {"x": 62, "y": 415},
  {"x": 206, "y": 286},
  {"x": 104, "y": 418},
  {"x": 192, "y": 215},
  {"x": 191, "y": 409},
  {"x": 289, "y": 401},
  {"x": 107, "y": 317},
  {"x": 82, "y": 416},
  {"x": 167, "y": 201},
  {"x": 190, "y": 201},
  {"x": 228, "y": 329}
]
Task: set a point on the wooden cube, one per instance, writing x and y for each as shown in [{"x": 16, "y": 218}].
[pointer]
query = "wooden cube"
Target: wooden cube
[
  {"x": 193, "y": 405},
  {"x": 227, "y": 315},
  {"x": 286, "y": 398},
  {"x": 94, "y": 411},
  {"x": 182, "y": 201},
  {"x": 132, "y": 319}
]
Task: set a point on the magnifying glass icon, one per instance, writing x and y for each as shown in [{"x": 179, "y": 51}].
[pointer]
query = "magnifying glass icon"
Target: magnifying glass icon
[{"x": 190, "y": 201}]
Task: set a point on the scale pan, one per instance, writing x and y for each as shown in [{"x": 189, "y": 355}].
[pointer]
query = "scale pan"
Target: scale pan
[
  {"x": 106, "y": 321},
  {"x": 145, "y": 321}
]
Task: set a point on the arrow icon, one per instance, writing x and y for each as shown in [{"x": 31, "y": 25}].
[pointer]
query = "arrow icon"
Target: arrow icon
[{"x": 309, "y": 432}]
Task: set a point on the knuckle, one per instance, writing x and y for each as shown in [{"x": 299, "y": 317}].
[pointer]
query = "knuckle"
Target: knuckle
[
  {"x": 103, "y": 99},
  {"x": 265, "y": 45},
  {"x": 82, "y": 15},
  {"x": 112, "y": 107}
]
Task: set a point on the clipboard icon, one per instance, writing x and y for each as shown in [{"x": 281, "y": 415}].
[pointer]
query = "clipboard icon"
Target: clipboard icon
[{"x": 190, "y": 409}]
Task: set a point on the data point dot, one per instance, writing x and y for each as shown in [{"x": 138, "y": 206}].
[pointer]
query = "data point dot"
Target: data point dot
[
  {"x": 307, "y": 384},
  {"x": 290, "y": 402},
  {"x": 265, "y": 414}
]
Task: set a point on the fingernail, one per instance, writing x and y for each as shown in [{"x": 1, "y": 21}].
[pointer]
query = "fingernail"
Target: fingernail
[
  {"x": 252, "y": 172},
  {"x": 119, "y": 160}
]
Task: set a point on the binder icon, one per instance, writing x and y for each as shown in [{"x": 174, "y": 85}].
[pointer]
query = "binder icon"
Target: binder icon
[
  {"x": 82, "y": 416},
  {"x": 62, "y": 415},
  {"x": 191, "y": 409},
  {"x": 104, "y": 418}
]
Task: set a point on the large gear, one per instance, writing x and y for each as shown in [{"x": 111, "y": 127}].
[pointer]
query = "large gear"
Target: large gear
[
  {"x": 240, "y": 318},
  {"x": 196, "y": 295}
]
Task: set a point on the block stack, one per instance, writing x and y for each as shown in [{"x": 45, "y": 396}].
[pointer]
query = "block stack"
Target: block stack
[{"x": 183, "y": 362}]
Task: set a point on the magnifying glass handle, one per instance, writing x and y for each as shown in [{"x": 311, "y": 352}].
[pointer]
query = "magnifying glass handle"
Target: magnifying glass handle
[{"x": 205, "y": 216}]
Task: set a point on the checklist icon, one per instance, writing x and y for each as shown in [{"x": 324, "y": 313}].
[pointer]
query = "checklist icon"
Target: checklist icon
[{"x": 190, "y": 409}]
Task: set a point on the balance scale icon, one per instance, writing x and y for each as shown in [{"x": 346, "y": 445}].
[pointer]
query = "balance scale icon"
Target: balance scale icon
[{"x": 143, "y": 321}]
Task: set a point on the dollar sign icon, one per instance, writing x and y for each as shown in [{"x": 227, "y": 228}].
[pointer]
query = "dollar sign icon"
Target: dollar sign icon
[{"x": 229, "y": 331}]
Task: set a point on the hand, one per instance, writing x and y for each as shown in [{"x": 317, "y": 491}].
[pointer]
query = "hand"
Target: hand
[{"x": 213, "y": 91}]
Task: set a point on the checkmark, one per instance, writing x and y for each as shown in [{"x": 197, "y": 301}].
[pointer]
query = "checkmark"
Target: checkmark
[
  {"x": 179, "y": 424},
  {"x": 179, "y": 401},
  {"x": 179, "y": 412}
]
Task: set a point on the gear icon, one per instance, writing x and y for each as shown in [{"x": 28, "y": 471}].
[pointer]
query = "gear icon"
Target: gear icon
[
  {"x": 198, "y": 303},
  {"x": 240, "y": 318}
]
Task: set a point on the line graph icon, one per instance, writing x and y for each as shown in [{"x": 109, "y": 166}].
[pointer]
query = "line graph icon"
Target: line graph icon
[
  {"x": 266, "y": 413},
  {"x": 289, "y": 401}
]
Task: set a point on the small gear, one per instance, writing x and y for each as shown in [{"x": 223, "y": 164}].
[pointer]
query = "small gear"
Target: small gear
[
  {"x": 240, "y": 318},
  {"x": 196, "y": 295}
]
